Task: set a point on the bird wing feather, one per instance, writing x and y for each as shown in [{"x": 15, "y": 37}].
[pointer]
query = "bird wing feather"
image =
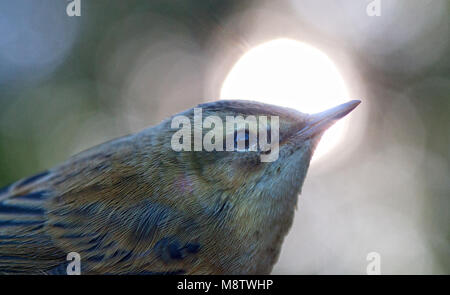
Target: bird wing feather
[{"x": 99, "y": 207}]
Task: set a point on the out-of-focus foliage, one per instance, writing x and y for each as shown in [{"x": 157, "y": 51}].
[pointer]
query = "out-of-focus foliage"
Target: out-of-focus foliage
[{"x": 67, "y": 83}]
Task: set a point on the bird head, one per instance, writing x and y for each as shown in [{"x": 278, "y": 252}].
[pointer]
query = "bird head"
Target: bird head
[{"x": 274, "y": 167}]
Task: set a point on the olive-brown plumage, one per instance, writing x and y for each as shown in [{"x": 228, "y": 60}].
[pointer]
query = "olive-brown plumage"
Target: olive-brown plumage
[{"x": 135, "y": 206}]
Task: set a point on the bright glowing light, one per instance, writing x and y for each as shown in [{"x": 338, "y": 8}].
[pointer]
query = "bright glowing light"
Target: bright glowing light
[{"x": 291, "y": 74}]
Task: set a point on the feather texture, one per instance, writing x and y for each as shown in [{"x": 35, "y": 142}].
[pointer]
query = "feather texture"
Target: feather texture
[{"x": 135, "y": 206}]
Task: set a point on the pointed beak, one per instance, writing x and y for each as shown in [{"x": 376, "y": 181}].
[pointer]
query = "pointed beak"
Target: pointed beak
[{"x": 320, "y": 122}]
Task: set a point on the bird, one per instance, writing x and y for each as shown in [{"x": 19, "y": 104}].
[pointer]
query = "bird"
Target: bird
[{"x": 135, "y": 206}]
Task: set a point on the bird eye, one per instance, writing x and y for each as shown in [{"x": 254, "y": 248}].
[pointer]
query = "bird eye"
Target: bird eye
[{"x": 242, "y": 139}]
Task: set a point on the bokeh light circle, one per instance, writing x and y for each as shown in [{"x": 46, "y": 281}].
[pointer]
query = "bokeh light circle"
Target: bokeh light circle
[{"x": 292, "y": 74}]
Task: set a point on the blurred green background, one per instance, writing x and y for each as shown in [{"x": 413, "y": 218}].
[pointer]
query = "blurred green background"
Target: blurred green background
[{"x": 68, "y": 83}]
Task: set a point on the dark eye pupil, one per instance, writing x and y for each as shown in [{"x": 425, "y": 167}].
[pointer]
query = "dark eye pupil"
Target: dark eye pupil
[{"x": 246, "y": 136}]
